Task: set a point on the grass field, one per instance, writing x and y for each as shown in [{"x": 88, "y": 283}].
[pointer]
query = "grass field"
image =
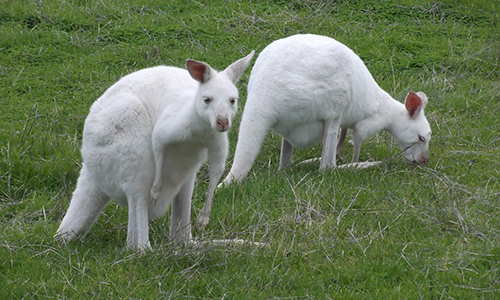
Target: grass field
[{"x": 390, "y": 232}]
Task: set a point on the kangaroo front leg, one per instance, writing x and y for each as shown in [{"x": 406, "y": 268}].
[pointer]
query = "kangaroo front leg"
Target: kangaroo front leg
[
  {"x": 359, "y": 134},
  {"x": 216, "y": 159},
  {"x": 286, "y": 156},
  {"x": 357, "y": 140},
  {"x": 156, "y": 189},
  {"x": 328, "y": 153},
  {"x": 160, "y": 139},
  {"x": 340, "y": 145}
]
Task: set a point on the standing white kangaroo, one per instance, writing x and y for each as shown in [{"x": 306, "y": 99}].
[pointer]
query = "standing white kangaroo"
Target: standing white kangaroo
[
  {"x": 305, "y": 87},
  {"x": 145, "y": 139}
]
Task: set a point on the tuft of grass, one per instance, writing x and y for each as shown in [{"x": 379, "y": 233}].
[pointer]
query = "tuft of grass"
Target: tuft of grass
[{"x": 389, "y": 232}]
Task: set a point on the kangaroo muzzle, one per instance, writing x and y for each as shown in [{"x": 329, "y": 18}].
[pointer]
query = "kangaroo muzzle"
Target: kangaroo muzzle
[{"x": 222, "y": 124}]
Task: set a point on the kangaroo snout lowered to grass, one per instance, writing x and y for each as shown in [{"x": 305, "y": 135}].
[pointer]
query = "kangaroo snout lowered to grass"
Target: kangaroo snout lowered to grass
[
  {"x": 306, "y": 87},
  {"x": 145, "y": 139}
]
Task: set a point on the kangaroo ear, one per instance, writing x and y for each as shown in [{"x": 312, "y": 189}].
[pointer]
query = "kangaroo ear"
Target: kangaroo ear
[
  {"x": 236, "y": 69},
  {"x": 415, "y": 102},
  {"x": 423, "y": 97},
  {"x": 199, "y": 71}
]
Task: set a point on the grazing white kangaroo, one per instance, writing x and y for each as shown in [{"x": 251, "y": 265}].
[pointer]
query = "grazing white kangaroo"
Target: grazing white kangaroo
[
  {"x": 305, "y": 87},
  {"x": 145, "y": 139}
]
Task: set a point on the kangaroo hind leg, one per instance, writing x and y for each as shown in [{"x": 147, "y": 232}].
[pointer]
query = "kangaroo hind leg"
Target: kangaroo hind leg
[
  {"x": 180, "y": 228},
  {"x": 286, "y": 156}
]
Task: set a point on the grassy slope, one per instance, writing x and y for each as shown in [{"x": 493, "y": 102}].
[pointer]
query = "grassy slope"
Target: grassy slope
[{"x": 396, "y": 231}]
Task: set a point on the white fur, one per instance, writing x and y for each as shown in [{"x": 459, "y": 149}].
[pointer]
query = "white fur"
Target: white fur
[
  {"x": 154, "y": 126},
  {"x": 305, "y": 87}
]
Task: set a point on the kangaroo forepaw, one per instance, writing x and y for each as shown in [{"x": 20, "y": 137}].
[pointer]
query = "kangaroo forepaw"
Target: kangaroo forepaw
[
  {"x": 155, "y": 194},
  {"x": 202, "y": 220}
]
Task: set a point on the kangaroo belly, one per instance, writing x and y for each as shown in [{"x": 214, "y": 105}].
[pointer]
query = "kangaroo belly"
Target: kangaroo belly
[
  {"x": 181, "y": 162},
  {"x": 302, "y": 135}
]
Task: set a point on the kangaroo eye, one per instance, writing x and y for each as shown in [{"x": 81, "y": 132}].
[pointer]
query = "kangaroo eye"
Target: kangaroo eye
[
  {"x": 232, "y": 101},
  {"x": 207, "y": 100},
  {"x": 421, "y": 138}
]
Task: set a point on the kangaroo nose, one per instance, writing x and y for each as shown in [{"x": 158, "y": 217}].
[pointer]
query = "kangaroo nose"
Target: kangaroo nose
[
  {"x": 423, "y": 161},
  {"x": 222, "y": 124}
]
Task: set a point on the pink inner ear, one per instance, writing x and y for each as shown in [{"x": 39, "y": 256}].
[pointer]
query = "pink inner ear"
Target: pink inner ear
[
  {"x": 413, "y": 103},
  {"x": 196, "y": 70}
]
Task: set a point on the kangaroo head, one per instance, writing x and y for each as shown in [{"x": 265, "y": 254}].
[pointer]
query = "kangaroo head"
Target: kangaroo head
[
  {"x": 217, "y": 95},
  {"x": 415, "y": 131}
]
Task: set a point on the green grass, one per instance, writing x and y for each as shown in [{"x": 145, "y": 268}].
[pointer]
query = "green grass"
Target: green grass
[{"x": 391, "y": 232}]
